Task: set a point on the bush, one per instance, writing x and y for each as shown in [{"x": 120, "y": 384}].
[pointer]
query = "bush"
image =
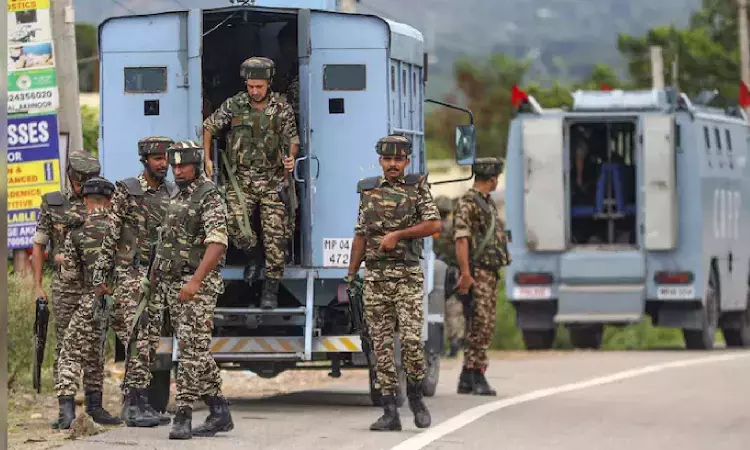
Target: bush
[{"x": 90, "y": 121}]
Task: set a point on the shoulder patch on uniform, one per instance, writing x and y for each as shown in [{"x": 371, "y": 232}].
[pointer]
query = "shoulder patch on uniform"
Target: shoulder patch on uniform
[
  {"x": 366, "y": 184},
  {"x": 132, "y": 186},
  {"x": 55, "y": 198},
  {"x": 413, "y": 178}
]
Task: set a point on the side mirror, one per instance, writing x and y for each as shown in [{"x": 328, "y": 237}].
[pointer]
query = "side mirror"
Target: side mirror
[{"x": 466, "y": 149}]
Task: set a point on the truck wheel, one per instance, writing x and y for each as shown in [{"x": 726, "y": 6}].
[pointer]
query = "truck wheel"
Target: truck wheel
[
  {"x": 432, "y": 373},
  {"x": 704, "y": 338},
  {"x": 588, "y": 337},
  {"x": 538, "y": 339},
  {"x": 158, "y": 390},
  {"x": 739, "y": 337}
]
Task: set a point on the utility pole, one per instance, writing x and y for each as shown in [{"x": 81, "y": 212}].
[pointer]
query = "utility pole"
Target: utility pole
[
  {"x": 64, "y": 41},
  {"x": 657, "y": 68}
]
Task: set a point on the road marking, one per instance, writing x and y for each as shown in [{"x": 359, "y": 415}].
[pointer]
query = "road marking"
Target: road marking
[{"x": 425, "y": 438}]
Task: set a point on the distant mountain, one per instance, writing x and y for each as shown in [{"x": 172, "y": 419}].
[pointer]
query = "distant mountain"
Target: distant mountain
[{"x": 564, "y": 37}]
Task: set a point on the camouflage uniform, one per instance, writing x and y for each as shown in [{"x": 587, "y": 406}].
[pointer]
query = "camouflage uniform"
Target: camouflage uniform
[
  {"x": 194, "y": 219},
  {"x": 61, "y": 212},
  {"x": 81, "y": 347},
  {"x": 393, "y": 284},
  {"x": 445, "y": 250},
  {"x": 474, "y": 214},
  {"x": 136, "y": 213},
  {"x": 257, "y": 144}
]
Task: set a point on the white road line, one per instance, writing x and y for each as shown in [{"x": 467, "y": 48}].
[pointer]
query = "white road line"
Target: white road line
[{"x": 425, "y": 438}]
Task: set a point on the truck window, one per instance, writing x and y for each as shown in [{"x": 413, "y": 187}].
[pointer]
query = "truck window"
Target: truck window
[
  {"x": 717, "y": 135},
  {"x": 393, "y": 79},
  {"x": 145, "y": 80},
  {"x": 344, "y": 77},
  {"x": 729, "y": 140}
]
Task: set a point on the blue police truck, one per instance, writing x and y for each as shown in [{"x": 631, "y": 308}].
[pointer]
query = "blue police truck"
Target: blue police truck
[
  {"x": 629, "y": 204},
  {"x": 361, "y": 78}
]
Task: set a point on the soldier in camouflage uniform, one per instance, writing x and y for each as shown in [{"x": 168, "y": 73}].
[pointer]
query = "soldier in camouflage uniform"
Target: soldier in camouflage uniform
[
  {"x": 395, "y": 212},
  {"x": 482, "y": 252},
  {"x": 137, "y": 211},
  {"x": 60, "y": 212},
  {"x": 81, "y": 346},
  {"x": 445, "y": 250},
  {"x": 187, "y": 278},
  {"x": 262, "y": 146}
]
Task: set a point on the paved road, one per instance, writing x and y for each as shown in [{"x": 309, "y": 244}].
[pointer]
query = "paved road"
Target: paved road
[{"x": 565, "y": 401}]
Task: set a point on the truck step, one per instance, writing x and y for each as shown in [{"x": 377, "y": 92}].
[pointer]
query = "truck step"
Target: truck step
[
  {"x": 259, "y": 311},
  {"x": 274, "y": 345}
]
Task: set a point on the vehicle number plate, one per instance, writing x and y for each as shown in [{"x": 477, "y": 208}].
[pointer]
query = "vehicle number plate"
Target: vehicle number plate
[
  {"x": 532, "y": 292},
  {"x": 675, "y": 292},
  {"x": 336, "y": 252}
]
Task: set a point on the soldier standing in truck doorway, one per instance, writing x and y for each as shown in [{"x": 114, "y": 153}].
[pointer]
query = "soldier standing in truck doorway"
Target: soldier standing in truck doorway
[
  {"x": 445, "y": 250},
  {"x": 60, "y": 212},
  {"x": 189, "y": 256},
  {"x": 81, "y": 350},
  {"x": 481, "y": 252},
  {"x": 261, "y": 148},
  {"x": 395, "y": 212},
  {"x": 137, "y": 211}
]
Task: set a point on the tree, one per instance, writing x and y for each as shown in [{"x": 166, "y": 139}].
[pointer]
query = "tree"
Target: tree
[{"x": 87, "y": 49}]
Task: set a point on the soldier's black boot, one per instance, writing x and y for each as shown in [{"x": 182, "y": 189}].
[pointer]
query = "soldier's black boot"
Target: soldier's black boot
[
  {"x": 481, "y": 387},
  {"x": 163, "y": 419},
  {"x": 269, "y": 299},
  {"x": 466, "y": 381},
  {"x": 67, "y": 411},
  {"x": 134, "y": 414},
  {"x": 389, "y": 421},
  {"x": 422, "y": 417},
  {"x": 455, "y": 346},
  {"x": 219, "y": 418},
  {"x": 97, "y": 412},
  {"x": 181, "y": 424}
]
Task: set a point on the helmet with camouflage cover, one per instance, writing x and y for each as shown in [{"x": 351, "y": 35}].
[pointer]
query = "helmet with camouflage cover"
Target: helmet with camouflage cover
[
  {"x": 98, "y": 186},
  {"x": 444, "y": 204},
  {"x": 258, "y": 68},
  {"x": 153, "y": 145},
  {"x": 185, "y": 152},
  {"x": 82, "y": 166},
  {"x": 488, "y": 167},
  {"x": 394, "y": 145}
]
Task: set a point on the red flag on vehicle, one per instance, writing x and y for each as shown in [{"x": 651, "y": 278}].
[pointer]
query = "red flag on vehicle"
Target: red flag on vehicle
[
  {"x": 744, "y": 98},
  {"x": 517, "y": 96},
  {"x": 606, "y": 87}
]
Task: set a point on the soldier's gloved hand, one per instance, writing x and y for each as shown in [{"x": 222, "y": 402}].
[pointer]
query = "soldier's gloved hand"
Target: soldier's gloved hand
[{"x": 209, "y": 167}]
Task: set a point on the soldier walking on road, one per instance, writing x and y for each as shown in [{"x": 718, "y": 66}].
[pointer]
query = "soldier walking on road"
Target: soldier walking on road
[
  {"x": 137, "y": 211},
  {"x": 189, "y": 256},
  {"x": 262, "y": 145},
  {"x": 81, "y": 347},
  {"x": 60, "y": 212},
  {"x": 482, "y": 252},
  {"x": 395, "y": 212}
]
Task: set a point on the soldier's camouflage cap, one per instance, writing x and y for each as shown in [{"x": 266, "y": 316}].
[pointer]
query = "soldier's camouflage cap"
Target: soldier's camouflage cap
[
  {"x": 185, "y": 152},
  {"x": 394, "y": 145},
  {"x": 153, "y": 145},
  {"x": 258, "y": 68},
  {"x": 82, "y": 166},
  {"x": 488, "y": 167},
  {"x": 98, "y": 186},
  {"x": 444, "y": 204}
]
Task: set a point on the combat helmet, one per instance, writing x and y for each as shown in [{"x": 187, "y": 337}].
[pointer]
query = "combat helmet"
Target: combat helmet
[
  {"x": 394, "y": 145},
  {"x": 98, "y": 186},
  {"x": 258, "y": 68},
  {"x": 153, "y": 145},
  {"x": 82, "y": 166},
  {"x": 185, "y": 152},
  {"x": 488, "y": 167}
]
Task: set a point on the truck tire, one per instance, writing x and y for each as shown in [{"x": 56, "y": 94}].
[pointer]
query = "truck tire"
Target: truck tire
[
  {"x": 739, "y": 337},
  {"x": 158, "y": 389},
  {"x": 432, "y": 373},
  {"x": 538, "y": 339},
  {"x": 586, "y": 337},
  {"x": 704, "y": 338}
]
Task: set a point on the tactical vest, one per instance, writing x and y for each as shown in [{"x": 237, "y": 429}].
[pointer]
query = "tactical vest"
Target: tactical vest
[
  {"x": 66, "y": 215},
  {"x": 181, "y": 248},
  {"x": 136, "y": 237},
  {"x": 381, "y": 218},
  {"x": 489, "y": 252},
  {"x": 255, "y": 138}
]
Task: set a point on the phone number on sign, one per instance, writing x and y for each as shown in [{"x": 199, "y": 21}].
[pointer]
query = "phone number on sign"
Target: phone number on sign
[{"x": 21, "y": 96}]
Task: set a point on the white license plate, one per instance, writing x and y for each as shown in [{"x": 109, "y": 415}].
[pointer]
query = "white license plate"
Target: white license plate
[
  {"x": 336, "y": 252},
  {"x": 532, "y": 292},
  {"x": 675, "y": 292}
]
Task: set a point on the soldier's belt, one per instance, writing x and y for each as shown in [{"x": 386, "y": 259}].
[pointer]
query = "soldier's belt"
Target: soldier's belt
[{"x": 169, "y": 266}]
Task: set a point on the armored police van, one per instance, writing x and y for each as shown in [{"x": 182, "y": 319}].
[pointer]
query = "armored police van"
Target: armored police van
[
  {"x": 361, "y": 78},
  {"x": 629, "y": 204}
]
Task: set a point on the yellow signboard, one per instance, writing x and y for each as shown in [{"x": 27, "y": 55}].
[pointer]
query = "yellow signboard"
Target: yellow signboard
[
  {"x": 29, "y": 197},
  {"x": 25, "y": 5},
  {"x": 34, "y": 172}
]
